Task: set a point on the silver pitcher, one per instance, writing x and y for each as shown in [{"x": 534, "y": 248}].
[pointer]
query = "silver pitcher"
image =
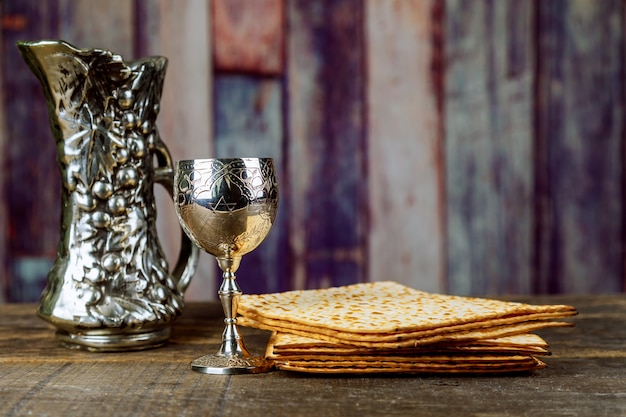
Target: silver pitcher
[{"x": 110, "y": 287}]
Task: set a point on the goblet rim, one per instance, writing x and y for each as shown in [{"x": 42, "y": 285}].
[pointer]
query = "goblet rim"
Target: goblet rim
[{"x": 245, "y": 158}]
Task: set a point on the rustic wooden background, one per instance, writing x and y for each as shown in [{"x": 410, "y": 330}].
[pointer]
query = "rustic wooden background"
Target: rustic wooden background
[{"x": 459, "y": 146}]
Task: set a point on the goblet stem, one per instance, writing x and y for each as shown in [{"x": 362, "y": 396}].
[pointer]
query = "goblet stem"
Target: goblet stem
[
  {"x": 229, "y": 294},
  {"x": 232, "y": 356}
]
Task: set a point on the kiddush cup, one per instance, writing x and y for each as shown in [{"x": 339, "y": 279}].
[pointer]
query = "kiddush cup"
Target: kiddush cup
[{"x": 227, "y": 207}]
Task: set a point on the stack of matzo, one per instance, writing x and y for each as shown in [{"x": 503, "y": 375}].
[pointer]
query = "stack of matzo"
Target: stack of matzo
[{"x": 388, "y": 327}]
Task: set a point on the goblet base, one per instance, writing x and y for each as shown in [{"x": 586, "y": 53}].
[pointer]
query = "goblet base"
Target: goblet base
[{"x": 231, "y": 364}]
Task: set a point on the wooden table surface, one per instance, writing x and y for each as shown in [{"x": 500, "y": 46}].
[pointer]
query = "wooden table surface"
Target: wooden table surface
[{"x": 586, "y": 376}]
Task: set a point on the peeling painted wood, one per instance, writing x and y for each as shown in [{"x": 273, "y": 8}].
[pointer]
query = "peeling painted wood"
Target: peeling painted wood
[
  {"x": 406, "y": 239},
  {"x": 327, "y": 173},
  {"x": 30, "y": 174},
  {"x": 4, "y": 220},
  {"x": 249, "y": 36},
  {"x": 97, "y": 24},
  {"x": 580, "y": 128},
  {"x": 465, "y": 147},
  {"x": 488, "y": 122}
]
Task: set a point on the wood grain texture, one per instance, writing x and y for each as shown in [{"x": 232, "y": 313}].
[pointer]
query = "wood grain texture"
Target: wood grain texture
[
  {"x": 501, "y": 124},
  {"x": 30, "y": 174},
  {"x": 584, "y": 376},
  {"x": 181, "y": 32},
  {"x": 326, "y": 154},
  {"x": 4, "y": 220},
  {"x": 249, "y": 36},
  {"x": 249, "y": 123},
  {"x": 580, "y": 127},
  {"x": 488, "y": 99},
  {"x": 406, "y": 239},
  {"x": 97, "y": 24},
  {"x": 129, "y": 383}
]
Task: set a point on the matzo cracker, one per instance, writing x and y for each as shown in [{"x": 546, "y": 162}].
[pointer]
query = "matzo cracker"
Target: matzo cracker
[{"x": 383, "y": 307}]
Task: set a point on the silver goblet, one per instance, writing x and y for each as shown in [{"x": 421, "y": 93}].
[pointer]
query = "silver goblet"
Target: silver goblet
[{"x": 227, "y": 207}]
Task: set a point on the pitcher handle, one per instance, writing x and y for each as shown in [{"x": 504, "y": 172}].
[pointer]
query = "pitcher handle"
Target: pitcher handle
[{"x": 189, "y": 253}]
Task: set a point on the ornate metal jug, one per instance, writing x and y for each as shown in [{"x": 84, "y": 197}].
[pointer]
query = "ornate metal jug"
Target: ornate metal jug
[{"x": 110, "y": 287}]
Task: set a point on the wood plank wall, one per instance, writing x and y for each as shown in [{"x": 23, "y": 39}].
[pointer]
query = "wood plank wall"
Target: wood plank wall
[
  {"x": 460, "y": 146},
  {"x": 580, "y": 134},
  {"x": 328, "y": 183},
  {"x": 31, "y": 182},
  {"x": 406, "y": 230},
  {"x": 488, "y": 119},
  {"x": 3, "y": 207},
  {"x": 248, "y": 83}
]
